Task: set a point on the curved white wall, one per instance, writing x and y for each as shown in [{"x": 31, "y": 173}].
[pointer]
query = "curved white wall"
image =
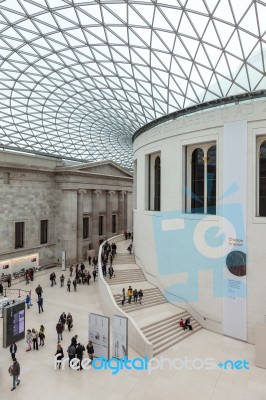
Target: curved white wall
[{"x": 171, "y": 140}]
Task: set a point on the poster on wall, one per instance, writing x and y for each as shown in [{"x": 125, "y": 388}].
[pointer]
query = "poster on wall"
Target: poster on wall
[
  {"x": 15, "y": 266},
  {"x": 99, "y": 334},
  {"x": 120, "y": 337},
  {"x": 63, "y": 260},
  {"x": 234, "y": 216}
]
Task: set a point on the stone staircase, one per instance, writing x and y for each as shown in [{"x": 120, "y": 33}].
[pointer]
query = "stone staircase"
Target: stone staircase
[
  {"x": 152, "y": 297},
  {"x": 167, "y": 332},
  {"x": 163, "y": 333}
]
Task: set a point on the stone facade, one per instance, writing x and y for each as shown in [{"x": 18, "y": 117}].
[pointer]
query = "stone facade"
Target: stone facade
[{"x": 38, "y": 188}]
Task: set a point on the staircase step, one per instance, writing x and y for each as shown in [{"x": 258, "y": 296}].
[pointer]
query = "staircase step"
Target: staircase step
[
  {"x": 158, "y": 343},
  {"x": 146, "y": 302},
  {"x": 162, "y": 321},
  {"x": 174, "y": 325},
  {"x": 143, "y": 305},
  {"x": 171, "y": 343},
  {"x": 169, "y": 333}
]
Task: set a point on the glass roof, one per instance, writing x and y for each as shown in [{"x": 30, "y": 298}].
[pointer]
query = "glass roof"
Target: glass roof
[{"x": 78, "y": 78}]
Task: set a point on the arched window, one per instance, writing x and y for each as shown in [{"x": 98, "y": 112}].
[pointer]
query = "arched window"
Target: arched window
[
  {"x": 197, "y": 181},
  {"x": 211, "y": 180},
  {"x": 262, "y": 180},
  {"x": 157, "y": 184},
  {"x": 201, "y": 179}
]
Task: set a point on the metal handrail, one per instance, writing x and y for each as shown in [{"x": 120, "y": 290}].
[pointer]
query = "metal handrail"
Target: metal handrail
[{"x": 15, "y": 290}]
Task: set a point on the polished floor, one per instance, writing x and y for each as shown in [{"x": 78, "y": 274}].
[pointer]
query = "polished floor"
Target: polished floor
[{"x": 40, "y": 380}]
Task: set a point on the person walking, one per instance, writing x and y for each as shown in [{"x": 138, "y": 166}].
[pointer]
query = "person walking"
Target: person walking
[
  {"x": 63, "y": 319},
  {"x": 90, "y": 350},
  {"x": 68, "y": 284},
  {"x": 75, "y": 285},
  {"x": 41, "y": 335},
  {"x": 14, "y": 371},
  {"x": 40, "y": 304},
  {"x": 74, "y": 341},
  {"x": 27, "y": 277},
  {"x": 9, "y": 280},
  {"x": 27, "y": 301},
  {"x": 1, "y": 289},
  {"x": 35, "y": 339},
  {"x": 60, "y": 354},
  {"x": 59, "y": 330},
  {"x": 39, "y": 291},
  {"x": 88, "y": 278},
  {"x": 71, "y": 270},
  {"x": 69, "y": 321},
  {"x": 79, "y": 353},
  {"x": 29, "y": 339},
  {"x": 13, "y": 350},
  {"x": 94, "y": 275}
]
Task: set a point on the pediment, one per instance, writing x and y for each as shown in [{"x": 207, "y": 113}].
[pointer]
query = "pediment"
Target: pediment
[{"x": 105, "y": 169}]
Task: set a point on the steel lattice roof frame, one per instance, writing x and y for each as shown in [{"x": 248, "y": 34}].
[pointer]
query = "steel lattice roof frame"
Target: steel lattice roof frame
[{"x": 78, "y": 78}]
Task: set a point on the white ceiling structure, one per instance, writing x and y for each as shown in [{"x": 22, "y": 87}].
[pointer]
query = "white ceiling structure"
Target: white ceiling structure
[{"x": 79, "y": 77}]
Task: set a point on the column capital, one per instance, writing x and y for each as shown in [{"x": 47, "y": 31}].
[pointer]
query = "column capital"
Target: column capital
[
  {"x": 81, "y": 191},
  {"x": 110, "y": 192},
  {"x": 122, "y": 193},
  {"x": 96, "y": 192}
]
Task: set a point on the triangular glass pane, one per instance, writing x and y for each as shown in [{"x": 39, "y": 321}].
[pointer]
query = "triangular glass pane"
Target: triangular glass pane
[
  {"x": 191, "y": 45},
  {"x": 223, "y": 12},
  {"x": 134, "y": 18},
  {"x": 173, "y": 15},
  {"x": 234, "y": 46},
  {"x": 185, "y": 27},
  {"x": 146, "y": 11},
  {"x": 119, "y": 9},
  {"x": 239, "y": 8},
  {"x": 145, "y": 34},
  {"x": 261, "y": 12},
  {"x": 210, "y": 36},
  {"x": 249, "y": 22},
  {"x": 160, "y": 22},
  {"x": 225, "y": 31},
  {"x": 93, "y": 10},
  {"x": 199, "y": 21}
]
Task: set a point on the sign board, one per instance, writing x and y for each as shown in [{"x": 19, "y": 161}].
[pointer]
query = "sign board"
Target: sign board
[
  {"x": 120, "y": 337},
  {"x": 13, "y": 323},
  {"x": 99, "y": 334}
]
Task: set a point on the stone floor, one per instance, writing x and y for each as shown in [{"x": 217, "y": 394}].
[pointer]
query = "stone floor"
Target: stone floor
[{"x": 40, "y": 380}]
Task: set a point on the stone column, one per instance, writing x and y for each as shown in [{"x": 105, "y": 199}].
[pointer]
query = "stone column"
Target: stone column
[
  {"x": 80, "y": 225},
  {"x": 95, "y": 219},
  {"x": 109, "y": 210},
  {"x": 125, "y": 212},
  {"x": 121, "y": 212}
]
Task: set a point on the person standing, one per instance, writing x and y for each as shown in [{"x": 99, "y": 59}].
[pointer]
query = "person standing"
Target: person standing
[
  {"x": 63, "y": 319},
  {"x": 27, "y": 301},
  {"x": 68, "y": 284},
  {"x": 40, "y": 304},
  {"x": 27, "y": 277},
  {"x": 9, "y": 280},
  {"x": 89, "y": 259},
  {"x": 74, "y": 341},
  {"x": 1, "y": 289},
  {"x": 123, "y": 296},
  {"x": 38, "y": 290},
  {"x": 69, "y": 321},
  {"x": 135, "y": 295},
  {"x": 29, "y": 339},
  {"x": 13, "y": 350},
  {"x": 41, "y": 335},
  {"x": 94, "y": 274},
  {"x": 88, "y": 278},
  {"x": 71, "y": 353},
  {"x": 140, "y": 295},
  {"x": 129, "y": 294},
  {"x": 62, "y": 280},
  {"x": 79, "y": 353},
  {"x": 14, "y": 371},
  {"x": 90, "y": 350},
  {"x": 71, "y": 270},
  {"x": 59, "y": 330},
  {"x": 60, "y": 354},
  {"x": 35, "y": 339}
]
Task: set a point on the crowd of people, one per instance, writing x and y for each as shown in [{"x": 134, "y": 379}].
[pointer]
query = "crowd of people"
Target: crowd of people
[{"x": 186, "y": 324}]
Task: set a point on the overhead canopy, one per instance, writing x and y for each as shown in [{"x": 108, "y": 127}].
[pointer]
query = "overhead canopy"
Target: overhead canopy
[{"x": 78, "y": 78}]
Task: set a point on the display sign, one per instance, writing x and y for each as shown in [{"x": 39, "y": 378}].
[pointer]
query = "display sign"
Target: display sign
[
  {"x": 120, "y": 336},
  {"x": 99, "y": 334},
  {"x": 63, "y": 260},
  {"x": 13, "y": 323},
  {"x": 234, "y": 216}
]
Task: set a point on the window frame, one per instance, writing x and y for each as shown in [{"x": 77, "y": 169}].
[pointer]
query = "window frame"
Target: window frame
[
  {"x": 23, "y": 235},
  {"x": 47, "y": 231},
  {"x": 189, "y": 149},
  {"x": 259, "y": 140},
  {"x": 87, "y": 230}
]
